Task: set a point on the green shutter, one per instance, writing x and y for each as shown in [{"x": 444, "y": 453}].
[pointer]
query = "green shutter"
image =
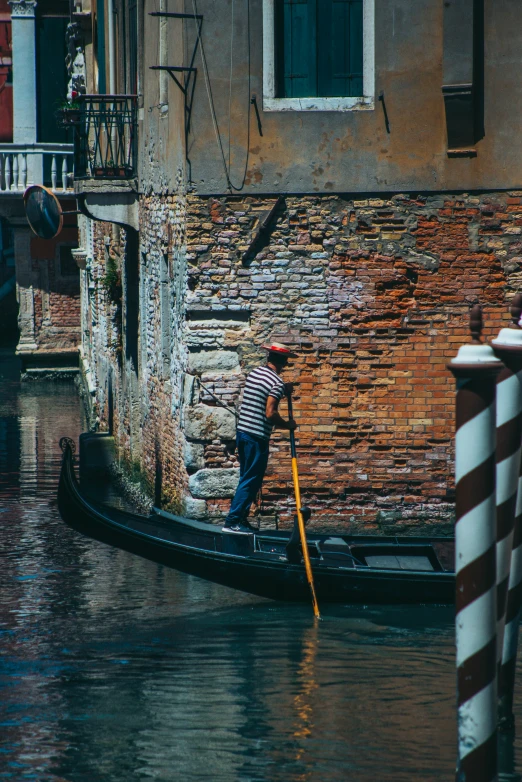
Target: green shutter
[
  {"x": 100, "y": 47},
  {"x": 299, "y": 48},
  {"x": 133, "y": 47},
  {"x": 340, "y": 45},
  {"x": 356, "y": 49},
  {"x": 319, "y": 48},
  {"x": 51, "y": 84},
  {"x": 51, "y": 76}
]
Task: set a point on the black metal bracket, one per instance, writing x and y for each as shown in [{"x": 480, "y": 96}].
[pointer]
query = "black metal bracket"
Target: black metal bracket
[
  {"x": 253, "y": 101},
  {"x": 187, "y": 84},
  {"x": 171, "y": 69},
  {"x": 176, "y": 16},
  {"x": 385, "y": 112}
]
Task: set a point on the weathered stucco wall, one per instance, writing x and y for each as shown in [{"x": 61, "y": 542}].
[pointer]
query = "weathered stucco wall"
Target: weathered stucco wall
[
  {"x": 349, "y": 151},
  {"x": 161, "y": 124},
  {"x": 373, "y": 293}
]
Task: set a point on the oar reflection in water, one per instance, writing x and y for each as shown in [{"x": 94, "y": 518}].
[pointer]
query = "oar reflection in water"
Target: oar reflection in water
[{"x": 303, "y": 701}]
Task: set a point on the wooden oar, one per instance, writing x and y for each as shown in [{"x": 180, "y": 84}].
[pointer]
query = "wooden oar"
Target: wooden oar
[{"x": 300, "y": 520}]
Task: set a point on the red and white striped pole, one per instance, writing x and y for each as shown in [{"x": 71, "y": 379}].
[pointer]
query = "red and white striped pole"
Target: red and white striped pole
[
  {"x": 508, "y": 347},
  {"x": 475, "y": 369},
  {"x": 511, "y": 631}
]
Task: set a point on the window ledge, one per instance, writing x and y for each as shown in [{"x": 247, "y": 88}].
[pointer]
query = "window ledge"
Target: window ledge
[
  {"x": 462, "y": 152},
  {"x": 318, "y": 104}
]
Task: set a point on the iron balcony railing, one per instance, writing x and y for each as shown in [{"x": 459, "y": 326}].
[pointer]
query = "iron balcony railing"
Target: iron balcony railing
[{"x": 105, "y": 136}]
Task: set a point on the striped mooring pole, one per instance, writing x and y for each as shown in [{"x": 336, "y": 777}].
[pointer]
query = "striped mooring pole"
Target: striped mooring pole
[
  {"x": 475, "y": 368},
  {"x": 508, "y": 348}
]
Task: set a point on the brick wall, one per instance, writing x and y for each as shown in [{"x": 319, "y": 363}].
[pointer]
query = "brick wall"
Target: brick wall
[
  {"x": 373, "y": 294},
  {"x": 56, "y": 297}
]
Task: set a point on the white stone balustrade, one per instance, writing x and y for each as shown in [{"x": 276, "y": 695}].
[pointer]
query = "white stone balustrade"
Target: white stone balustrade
[{"x": 22, "y": 165}]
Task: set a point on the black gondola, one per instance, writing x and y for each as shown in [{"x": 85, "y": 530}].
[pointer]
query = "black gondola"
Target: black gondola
[{"x": 347, "y": 568}]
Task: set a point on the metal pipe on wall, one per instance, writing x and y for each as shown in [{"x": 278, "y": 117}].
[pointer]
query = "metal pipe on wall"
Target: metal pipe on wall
[{"x": 475, "y": 369}]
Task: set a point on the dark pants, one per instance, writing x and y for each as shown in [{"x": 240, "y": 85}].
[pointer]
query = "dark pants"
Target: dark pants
[{"x": 253, "y": 459}]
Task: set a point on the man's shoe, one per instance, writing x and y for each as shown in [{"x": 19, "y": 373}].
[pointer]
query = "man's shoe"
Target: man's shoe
[{"x": 239, "y": 529}]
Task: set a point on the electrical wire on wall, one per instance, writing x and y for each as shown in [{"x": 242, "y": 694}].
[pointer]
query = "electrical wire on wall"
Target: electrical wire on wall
[{"x": 227, "y": 166}]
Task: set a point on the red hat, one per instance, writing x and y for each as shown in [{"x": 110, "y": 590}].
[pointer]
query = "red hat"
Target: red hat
[{"x": 277, "y": 347}]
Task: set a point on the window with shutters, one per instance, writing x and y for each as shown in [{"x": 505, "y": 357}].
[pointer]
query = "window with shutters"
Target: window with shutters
[{"x": 318, "y": 55}]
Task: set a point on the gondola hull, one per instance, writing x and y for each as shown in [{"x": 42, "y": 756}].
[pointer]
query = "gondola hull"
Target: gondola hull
[{"x": 344, "y": 567}]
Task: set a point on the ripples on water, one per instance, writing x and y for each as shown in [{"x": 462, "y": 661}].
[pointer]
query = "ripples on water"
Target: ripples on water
[{"x": 113, "y": 668}]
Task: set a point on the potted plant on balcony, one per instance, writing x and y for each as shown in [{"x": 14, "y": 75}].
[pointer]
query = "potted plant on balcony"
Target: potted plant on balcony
[
  {"x": 112, "y": 169},
  {"x": 69, "y": 112}
]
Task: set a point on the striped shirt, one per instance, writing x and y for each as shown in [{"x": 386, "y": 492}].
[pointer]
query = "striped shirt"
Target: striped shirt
[{"x": 260, "y": 384}]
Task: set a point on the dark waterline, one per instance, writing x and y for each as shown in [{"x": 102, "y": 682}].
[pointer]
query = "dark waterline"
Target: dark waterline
[{"x": 116, "y": 669}]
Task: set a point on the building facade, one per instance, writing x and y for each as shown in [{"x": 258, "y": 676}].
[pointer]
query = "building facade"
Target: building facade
[
  {"x": 39, "y": 279},
  {"x": 345, "y": 177}
]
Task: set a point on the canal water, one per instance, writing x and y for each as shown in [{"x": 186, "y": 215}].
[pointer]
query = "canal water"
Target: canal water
[{"x": 114, "y": 669}]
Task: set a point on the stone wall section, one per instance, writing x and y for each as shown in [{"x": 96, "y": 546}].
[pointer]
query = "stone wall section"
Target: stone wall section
[
  {"x": 374, "y": 295},
  {"x": 162, "y": 350},
  {"x": 100, "y": 320}
]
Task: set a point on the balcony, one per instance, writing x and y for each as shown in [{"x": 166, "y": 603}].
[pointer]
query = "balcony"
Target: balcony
[
  {"x": 105, "y": 136},
  {"x": 22, "y": 165}
]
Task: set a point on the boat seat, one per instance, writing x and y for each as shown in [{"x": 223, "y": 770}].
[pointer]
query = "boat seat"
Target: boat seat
[
  {"x": 336, "y": 550},
  {"x": 399, "y": 562}
]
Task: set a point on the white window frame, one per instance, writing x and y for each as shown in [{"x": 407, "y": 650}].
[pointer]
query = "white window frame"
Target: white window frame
[{"x": 366, "y": 102}]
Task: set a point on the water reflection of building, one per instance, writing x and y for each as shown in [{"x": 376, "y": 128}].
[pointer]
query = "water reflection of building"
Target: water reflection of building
[
  {"x": 40, "y": 275},
  {"x": 31, "y": 595}
]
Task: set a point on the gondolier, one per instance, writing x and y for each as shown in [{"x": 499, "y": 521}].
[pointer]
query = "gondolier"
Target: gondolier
[
  {"x": 258, "y": 416},
  {"x": 347, "y": 568}
]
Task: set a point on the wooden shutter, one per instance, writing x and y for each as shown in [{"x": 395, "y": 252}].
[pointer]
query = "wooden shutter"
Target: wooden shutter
[
  {"x": 100, "y": 47},
  {"x": 133, "y": 47},
  {"x": 299, "y": 44},
  {"x": 319, "y": 48},
  {"x": 51, "y": 76},
  {"x": 340, "y": 48}
]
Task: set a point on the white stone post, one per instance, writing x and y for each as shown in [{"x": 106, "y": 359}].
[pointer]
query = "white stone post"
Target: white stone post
[{"x": 24, "y": 81}]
